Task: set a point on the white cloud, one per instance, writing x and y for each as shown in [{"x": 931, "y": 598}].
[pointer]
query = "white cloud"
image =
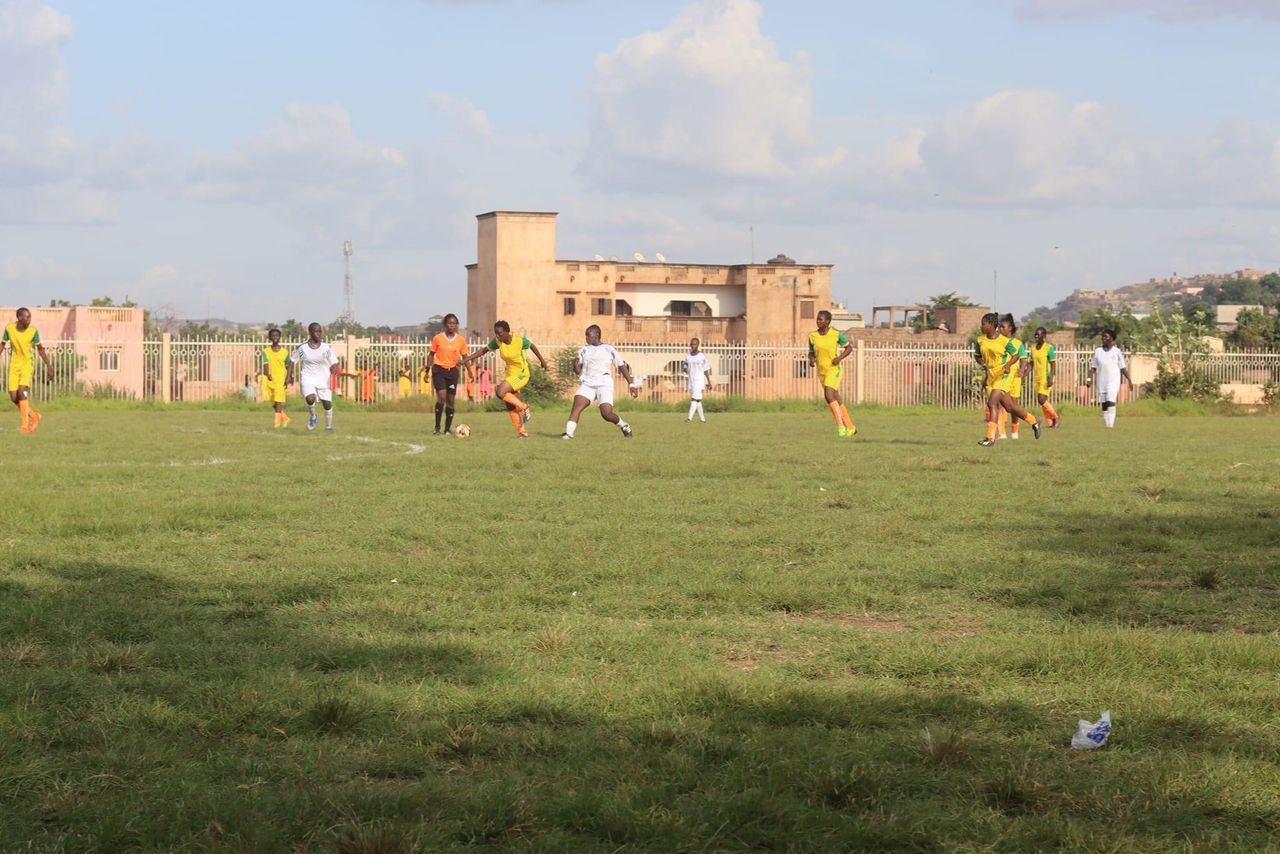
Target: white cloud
[
  {"x": 708, "y": 98},
  {"x": 30, "y": 273},
  {"x": 463, "y": 112},
  {"x": 312, "y": 166},
  {"x": 1163, "y": 10}
]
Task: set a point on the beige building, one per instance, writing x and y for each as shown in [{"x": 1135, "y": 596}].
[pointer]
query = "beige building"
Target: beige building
[{"x": 518, "y": 278}]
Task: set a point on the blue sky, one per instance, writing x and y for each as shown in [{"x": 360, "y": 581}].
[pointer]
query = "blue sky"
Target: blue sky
[{"x": 209, "y": 159}]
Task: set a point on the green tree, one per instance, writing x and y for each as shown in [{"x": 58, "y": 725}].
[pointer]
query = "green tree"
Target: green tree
[
  {"x": 1252, "y": 328},
  {"x": 1180, "y": 348},
  {"x": 951, "y": 299},
  {"x": 1042, "y": 316},
  {"x": 1094, "y": 320},
  {"x": 59, "y": 303}
]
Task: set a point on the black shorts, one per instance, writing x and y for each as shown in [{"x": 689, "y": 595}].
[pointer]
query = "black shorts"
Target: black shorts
[{"x": 444, "y": 379}]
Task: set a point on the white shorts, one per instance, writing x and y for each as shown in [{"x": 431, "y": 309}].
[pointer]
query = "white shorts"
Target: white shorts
[
  {"x": 696, "y": 389},
  {"x": 322, "y": 392},
  {"x": 600, "y": 394},
  {"x": 1108, "y": 395}
]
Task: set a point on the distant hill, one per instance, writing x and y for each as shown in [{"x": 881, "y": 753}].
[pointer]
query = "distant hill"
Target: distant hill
[{"x": 1138, "y": 298}]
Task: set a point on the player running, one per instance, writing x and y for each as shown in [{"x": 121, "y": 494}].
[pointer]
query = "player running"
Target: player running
[
  {"x": 511, "y": 349},
  {"x": 24, "y": 343},
  {"x": 996, "y": 354},
  {"x": 1044, "y": 359},
  {"x": 826, "y": 354},
  {"x": 1109, "y": 368},
  {"x": 594, "y": 368},
  {"x": 319, "y": 367},
  {"x": 698, "y": 370},
  {"x": 1017, "y": 370},
  {"x": 278, "y": 373},
  {"x": 448, "y": 349}
]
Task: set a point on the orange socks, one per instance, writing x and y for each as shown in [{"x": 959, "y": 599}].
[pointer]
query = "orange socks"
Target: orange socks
[
  {"x": 1049, "y": 412},
  {"x": 1003, "y": 422},
  {"x": 511, "y": 400},
  {"x": 991, "y": 431},
  {"x": 515, "y": 419},
  {"x": 848, "y": 422},
  {"x": 24, "y": 413},
  {"x": 1030, "y": 419}
]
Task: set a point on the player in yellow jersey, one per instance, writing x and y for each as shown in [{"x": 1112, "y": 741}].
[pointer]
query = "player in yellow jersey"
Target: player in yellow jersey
[
  {"x": 511, "y": 350},
  {"x": 406, "y": 381},
  {"x": 24, "y": 343},
  {"x": 827, "y": 349},
  {"x": 1019, "y": 370},
  {"x": 1044, "y": 360},
  {"x": 996, "y": 354},
  {"x": 278, "y": 372}
]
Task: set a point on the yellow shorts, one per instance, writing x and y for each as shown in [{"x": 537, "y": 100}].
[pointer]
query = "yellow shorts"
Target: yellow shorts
[
  {"x": 831, "y": 377},
  {"x": 517, "y": 381},
  {"x": 1044, "y": 390},
  {"x": 1015, "y": 387},
  {"x": 276, "y": 393},
  {"x": 20, "y": 375}
]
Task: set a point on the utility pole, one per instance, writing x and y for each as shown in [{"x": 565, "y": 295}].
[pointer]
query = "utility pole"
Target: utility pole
[{"x": 348, "y": 314}]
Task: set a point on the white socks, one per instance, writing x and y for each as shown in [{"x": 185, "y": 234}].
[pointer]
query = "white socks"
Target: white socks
[
  {"x": 311, "y": 407},
  {"x": 570, "y": 428},
  {"x": 695, "y": 408},
  {"x": 622, "y": 425},
  {"x": 1109, "y": 416},
  {"x": 328, "y": 418}
]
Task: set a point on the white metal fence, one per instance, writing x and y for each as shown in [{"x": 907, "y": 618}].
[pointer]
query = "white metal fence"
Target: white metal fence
[{"x": 890, "y": 374}]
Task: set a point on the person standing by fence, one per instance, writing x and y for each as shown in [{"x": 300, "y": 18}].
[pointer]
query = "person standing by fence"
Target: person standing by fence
[
  {"x": 448, "y": 349},
  {"x": 278, "y": 373},
  {"x": 1108, "y": 369},
  {"x": 24, "y": 343},
  {"x": 406, "y": 381},
  {"x": 825, "y": 354},
  {"x": 1044, "y": 358},
  {"x": 698, "y": 370}
]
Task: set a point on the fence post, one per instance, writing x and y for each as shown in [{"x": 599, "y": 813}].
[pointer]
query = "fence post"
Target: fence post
[
  {"x": 861, "y": 363},
  {"x": 166, "y": 368}
]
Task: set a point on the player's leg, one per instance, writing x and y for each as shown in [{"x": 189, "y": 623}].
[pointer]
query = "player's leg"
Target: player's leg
[
  {"x": 1016, "y": 394},
  {"x": 309, "y": 395},
  {"x": 580, "y": 403},
  {"x": 1015, "y": 410},
  {"x": 992, "y": 417},
  {"x": 693, "y": 406},
  {"x": 450, "y": 395},
  {"x": 605, "y": 395},
  {"x": 441, "y": 386},
  {"x": 1108, "y": 399},
  {"x": 1050, "y": 414},
  {"x": 326, "y": 400}
]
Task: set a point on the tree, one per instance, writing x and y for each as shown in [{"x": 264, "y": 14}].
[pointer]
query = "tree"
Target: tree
[
  {"x": 1094, "y": 320},
  {"x": 1180, "y": 349},
  {"x": 1042, "y": 316},
  {"x": 59, "y": 303},
  {"x": 949, "y": 300},
  {"x": 1253, "y": 330}
]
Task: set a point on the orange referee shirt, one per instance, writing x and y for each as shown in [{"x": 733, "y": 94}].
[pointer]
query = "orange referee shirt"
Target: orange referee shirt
[{"x": 448, "y": 353}]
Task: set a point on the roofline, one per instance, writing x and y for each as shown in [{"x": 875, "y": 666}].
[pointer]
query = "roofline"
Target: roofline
[
  {"x": 516, "y": 213},
  {"x": 672, "y": 264}
]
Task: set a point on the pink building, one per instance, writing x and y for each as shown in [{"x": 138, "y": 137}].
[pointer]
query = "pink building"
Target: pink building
[{"x": 107, "y": 342}]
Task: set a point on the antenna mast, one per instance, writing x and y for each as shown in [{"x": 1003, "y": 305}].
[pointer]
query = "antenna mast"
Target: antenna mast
[{"x": 348, "y": 314}]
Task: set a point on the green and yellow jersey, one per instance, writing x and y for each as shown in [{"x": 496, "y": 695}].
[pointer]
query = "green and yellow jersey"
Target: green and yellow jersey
[
  {"x": 275, "y": 364},
  {"x": 1042, "y": 357},
  {"x": 995, "y": 354},
  {"x": 513, "y": 355},
  {"x": 23, "y": 343},
  {"x": 825, "y": 347}
]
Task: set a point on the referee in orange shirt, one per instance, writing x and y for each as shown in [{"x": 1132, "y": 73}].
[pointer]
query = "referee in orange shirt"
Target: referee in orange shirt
[{"x": 448, "y": 349}]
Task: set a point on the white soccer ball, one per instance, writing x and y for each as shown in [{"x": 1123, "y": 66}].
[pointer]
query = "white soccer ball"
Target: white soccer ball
[{"x": 462, "y": 431}]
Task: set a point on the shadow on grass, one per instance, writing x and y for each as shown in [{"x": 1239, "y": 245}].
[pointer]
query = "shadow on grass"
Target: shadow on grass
[{"x": 165, "y": 716}]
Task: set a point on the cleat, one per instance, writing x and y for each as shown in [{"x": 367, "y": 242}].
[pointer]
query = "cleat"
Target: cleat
[
  {"x": 842, "y": 431},
  {"x": 328, "y": 429},
  {"x": 1014, "y": 436},
  {"x": 284, "y": 423},
  {"x": 312, "y": 422},
  {"x": 987, "y": 443},
  {"x": 1035, "y": 428},
  {"x": 688, "y": 421},
  {"x": 24, "y": 430},
  {"x": 626, "y": 432},
  {"x": 853, "y": 431},
  {"x": 435, "y": 432},
  {"x": 33, "y": 423},
  {"x": 527, "y": 415},
  {"x": 565, "y": 436},
  {"x": 523, "y": 434}
]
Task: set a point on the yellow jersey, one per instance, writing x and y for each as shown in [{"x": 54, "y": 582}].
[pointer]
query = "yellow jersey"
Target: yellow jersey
[
  {"x": 276, "y": 364},
  {"x": 23, "y": 343},
  {"x": 824, "y": 348},
  {"x": 513, "y": 354},
  {"x": 1019, "y": 353},
  {"x": 995, "y": 354},
  {"x": 1041, "y": 359}
]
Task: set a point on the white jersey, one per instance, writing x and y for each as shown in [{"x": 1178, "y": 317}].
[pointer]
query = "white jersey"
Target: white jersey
[
  {"x": 598, "y": 360},
  {"x": 315, "y": 363},
  {"x": 1108, "y": 363},
  {"x": 697, "y": 366}
]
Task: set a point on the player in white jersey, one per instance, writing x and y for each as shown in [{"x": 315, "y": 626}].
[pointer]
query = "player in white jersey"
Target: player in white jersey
[
  {"x": 1106, "y": 372},
  {"x": 317, "y": 364},
  {"x": 698, "y": 370},
  {"x": 595, "y": 366}
]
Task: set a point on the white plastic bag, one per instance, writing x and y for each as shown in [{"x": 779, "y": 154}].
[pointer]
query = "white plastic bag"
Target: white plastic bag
[{"x": 1090, "y": 736}]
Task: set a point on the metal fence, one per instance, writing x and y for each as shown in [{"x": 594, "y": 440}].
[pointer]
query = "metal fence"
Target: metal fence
[{"x": 890, "y": 374}]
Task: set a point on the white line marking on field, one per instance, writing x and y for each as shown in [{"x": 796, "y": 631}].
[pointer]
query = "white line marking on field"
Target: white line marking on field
[{"x": 412, "y": 448}]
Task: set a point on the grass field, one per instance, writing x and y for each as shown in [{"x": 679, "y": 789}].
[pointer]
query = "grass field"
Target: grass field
[{"x": 740, "y": 635}]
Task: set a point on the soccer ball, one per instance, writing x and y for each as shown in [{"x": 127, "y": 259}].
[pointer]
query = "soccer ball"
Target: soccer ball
[{"x": 462, "y": 431}]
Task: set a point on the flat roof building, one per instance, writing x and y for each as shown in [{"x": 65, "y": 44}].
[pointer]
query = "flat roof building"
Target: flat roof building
[{"x": 518, "y": 278}]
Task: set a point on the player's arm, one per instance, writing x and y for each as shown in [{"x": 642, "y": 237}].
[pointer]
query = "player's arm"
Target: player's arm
[
  {"x": 533, "y": 348},
  {"x": 1051, "y": 365},
  {"x": 848, "y": 348},
  {"x": 431, "y": 360},
  {"x": 634, "y": 386},
  {"x": 813, "y": 357},
  {"x": 44, "y": 357}
]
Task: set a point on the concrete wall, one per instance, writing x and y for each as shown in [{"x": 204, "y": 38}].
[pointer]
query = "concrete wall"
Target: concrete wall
[{"x": 653, "y": 299}]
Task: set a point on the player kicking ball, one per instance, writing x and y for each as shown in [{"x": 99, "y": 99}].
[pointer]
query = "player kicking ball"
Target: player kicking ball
[
  {"x": 318, "y": 364},
  {"x": 594, "y": 367},
  {"x": 24, "y": 343},
  {"x": 997, "y": 355},
  {"x": 511, "y": 349}
]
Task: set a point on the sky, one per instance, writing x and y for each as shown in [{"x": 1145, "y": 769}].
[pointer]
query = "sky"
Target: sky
[{"x": 209, "y": 159}]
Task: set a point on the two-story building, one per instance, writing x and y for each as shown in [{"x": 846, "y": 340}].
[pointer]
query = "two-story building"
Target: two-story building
[{"x": 518, "y": 278}]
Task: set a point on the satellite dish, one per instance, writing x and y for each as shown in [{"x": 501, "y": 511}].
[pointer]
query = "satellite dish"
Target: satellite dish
[
  {"x": 599, "y": 257},
  {"x": 639, "y": 257},
  {"x": 662, "y": 259},
  {"x": 613, "y": 257}
]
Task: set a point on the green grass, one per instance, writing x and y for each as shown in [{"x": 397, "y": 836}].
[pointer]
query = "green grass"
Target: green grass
[{"x": 740, "y": 635}]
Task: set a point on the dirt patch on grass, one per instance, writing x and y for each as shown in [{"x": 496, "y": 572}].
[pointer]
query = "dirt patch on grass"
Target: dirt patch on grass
[
  {"x": 873, "y": 623},
  {"x": 742, "y": 663}
]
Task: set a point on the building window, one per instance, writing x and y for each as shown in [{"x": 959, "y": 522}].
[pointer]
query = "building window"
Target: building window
[
  {"x": 570, "y": 306},
  {"x": 108, "y": 359},
  {"x": 601, "y": 306},
  {"x": 681, "y": 308},
  {"x": 622, "y": 308},
  {"x": 806, "y": 308}
]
